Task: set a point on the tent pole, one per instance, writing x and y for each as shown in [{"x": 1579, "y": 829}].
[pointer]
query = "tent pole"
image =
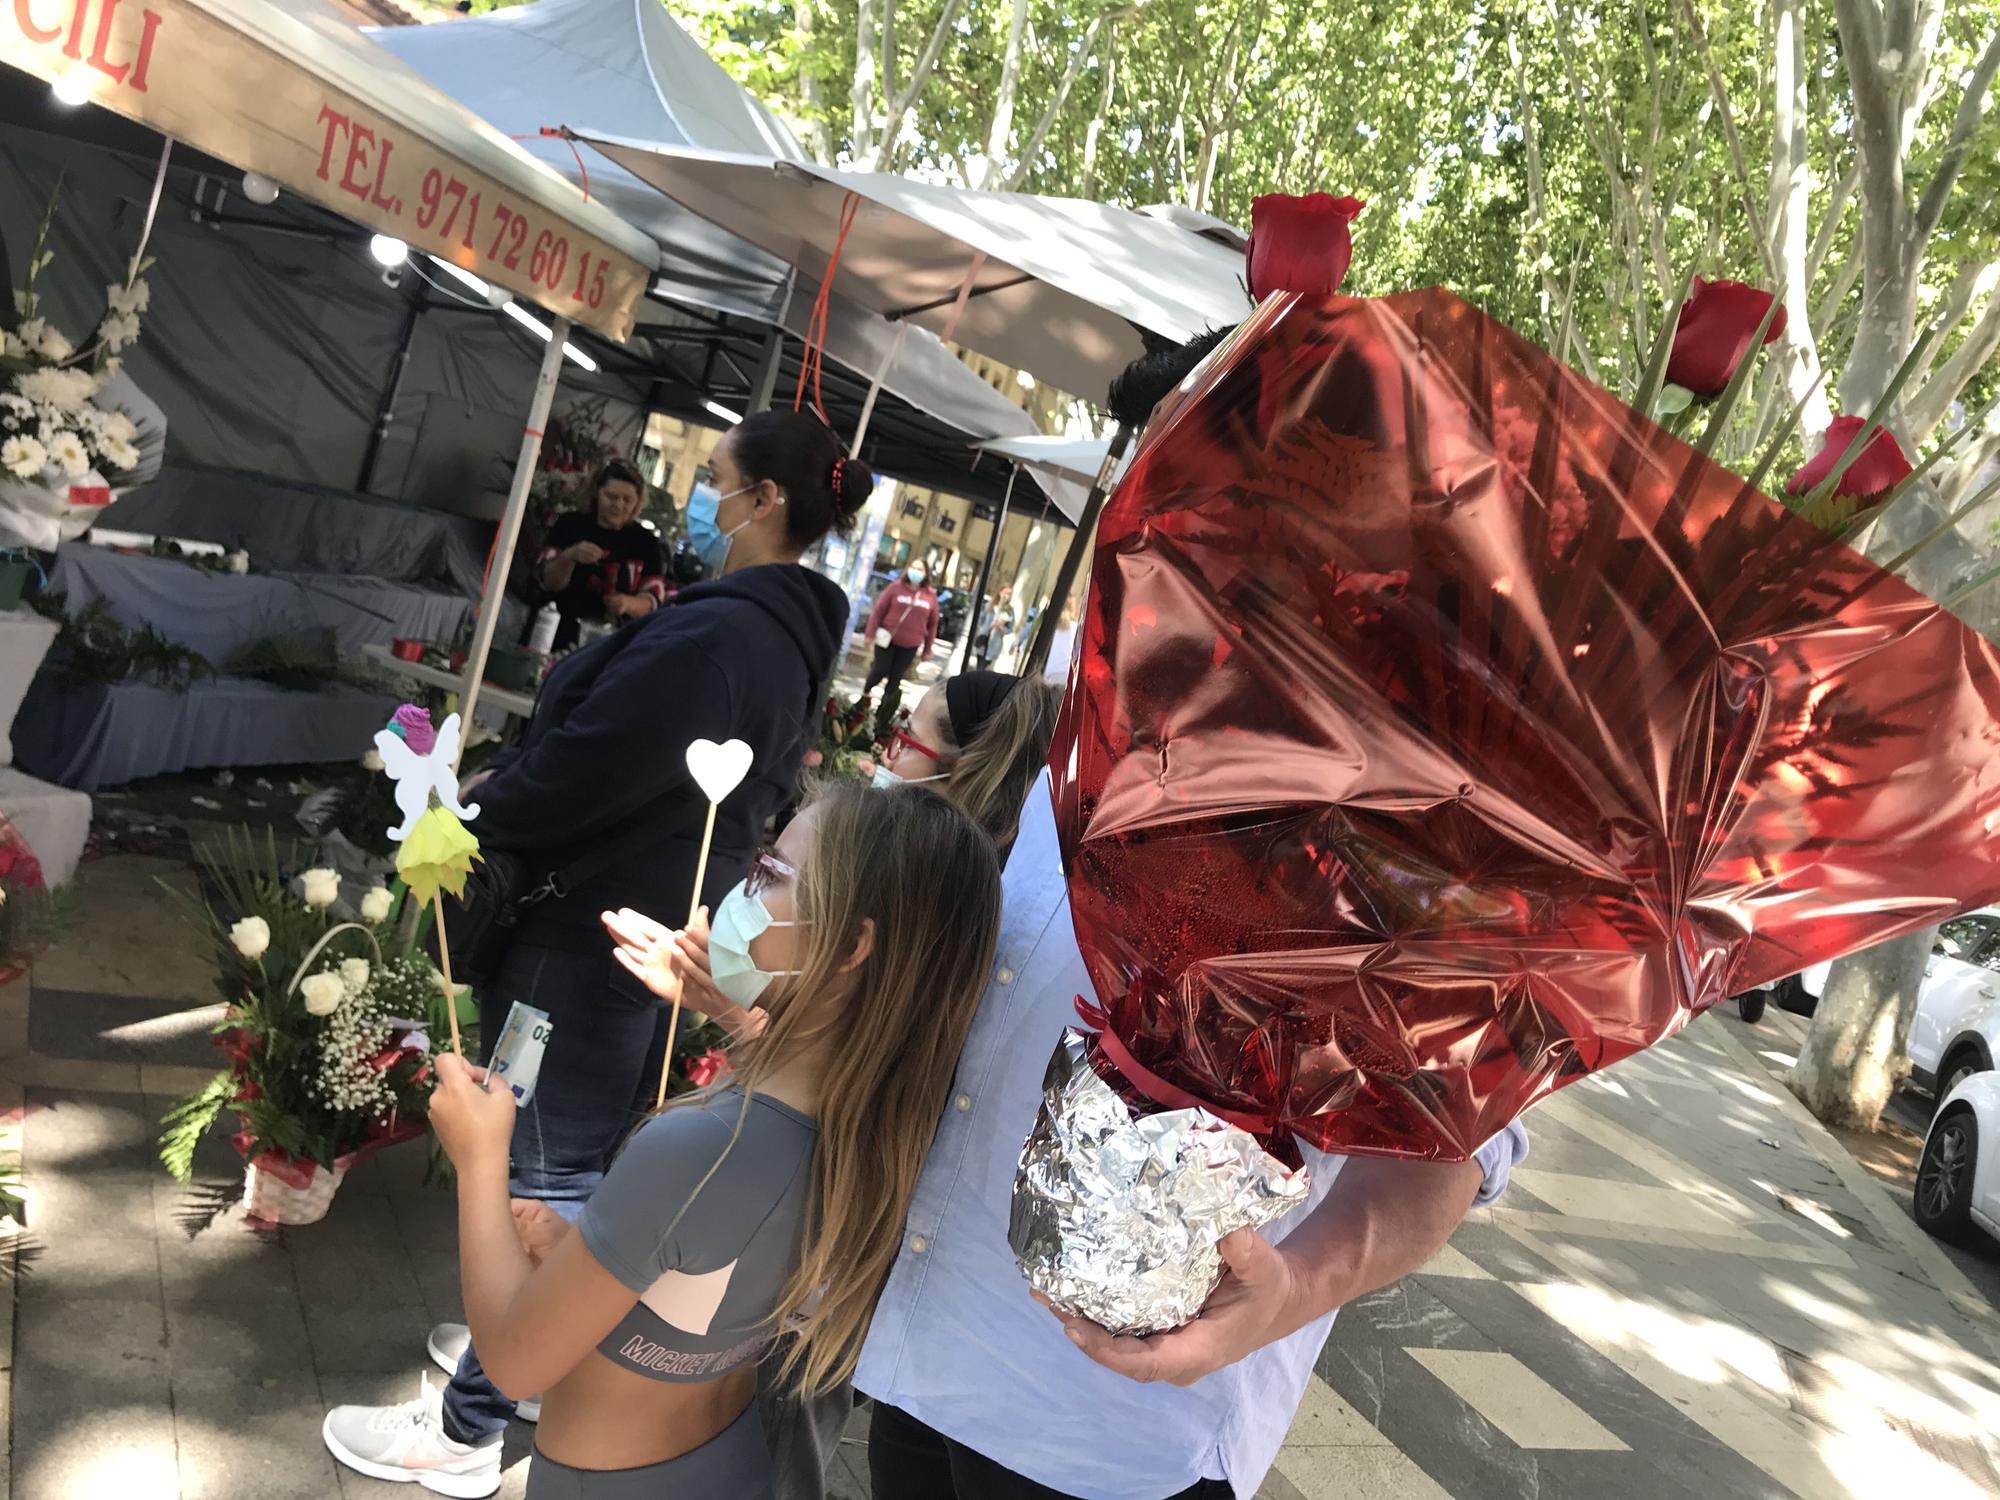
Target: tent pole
[
  {"x": 766, "y": 384},
  {"x": 497, "y": 569},
  {"x": 1086, "y": 527},
  {"x": 875, "y": 389},
  {"x": 986, "y": 570},
  {"x": 385, "y": 409}
]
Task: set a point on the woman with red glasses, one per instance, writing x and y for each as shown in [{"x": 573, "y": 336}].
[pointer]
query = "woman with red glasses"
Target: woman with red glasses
[{"x": 980, "y": 738}]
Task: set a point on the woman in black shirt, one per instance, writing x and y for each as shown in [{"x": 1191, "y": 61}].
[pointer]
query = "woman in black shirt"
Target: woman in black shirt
[{"x": 596, "y": 562}]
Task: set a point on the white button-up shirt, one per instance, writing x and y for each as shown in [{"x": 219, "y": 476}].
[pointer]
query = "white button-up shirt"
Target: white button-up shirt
[{"x": 957, "y": 1343}]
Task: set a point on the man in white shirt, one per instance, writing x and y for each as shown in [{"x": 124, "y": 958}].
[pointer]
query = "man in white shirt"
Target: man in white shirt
[{"x": 983, "y": 1395}]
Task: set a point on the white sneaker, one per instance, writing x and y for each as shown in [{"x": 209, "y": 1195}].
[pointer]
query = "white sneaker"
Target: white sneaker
[
  {"x": 448, "y": 1343},
  {"x": 407, "y": 1445}
]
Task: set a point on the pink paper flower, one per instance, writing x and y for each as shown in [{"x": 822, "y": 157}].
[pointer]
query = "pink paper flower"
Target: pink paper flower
[{"x": 414, "y": 725}]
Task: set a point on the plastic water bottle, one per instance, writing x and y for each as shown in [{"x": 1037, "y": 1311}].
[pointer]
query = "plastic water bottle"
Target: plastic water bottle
[{"x": 542, "y": 639}]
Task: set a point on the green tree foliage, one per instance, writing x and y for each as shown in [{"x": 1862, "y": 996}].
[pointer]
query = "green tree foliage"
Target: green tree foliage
[{"x": 1535, "y": 155}]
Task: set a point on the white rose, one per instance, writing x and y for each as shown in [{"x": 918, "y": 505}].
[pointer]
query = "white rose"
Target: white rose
[
  {"x": 375, "y": 905},
  {"x": 23, "y": 457},
  {"x": 371, "y": 760},
  {"x": 354, "y": 974},
  {"x": 69, "y": 454},
  {"x": 323, "y": 993},
  {"x": 322, "y": 888},
  {"x": 237, "y": 561},
  {"x": 251, "y": 936}
]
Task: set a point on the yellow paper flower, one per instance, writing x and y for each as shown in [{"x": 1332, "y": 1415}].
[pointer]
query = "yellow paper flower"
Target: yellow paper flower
[{"x": 437, "y": 855}]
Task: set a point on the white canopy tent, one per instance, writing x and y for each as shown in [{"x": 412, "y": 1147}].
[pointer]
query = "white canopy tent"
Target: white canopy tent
[
  {"x": 1069, "y": 465},
  {"x": 289, "y": 91},
  {"x": 628, "y": 66},
  {"x": 286, "y": 89},
  {"x": 1064, "y": 288}
]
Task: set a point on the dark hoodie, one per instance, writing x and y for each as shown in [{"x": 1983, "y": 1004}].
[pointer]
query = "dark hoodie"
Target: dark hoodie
[{"x": 745, "y": 657}]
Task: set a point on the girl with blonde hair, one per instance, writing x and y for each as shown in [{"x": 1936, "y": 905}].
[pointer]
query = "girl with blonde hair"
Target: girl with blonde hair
[{"x": 758, "y": 1216}]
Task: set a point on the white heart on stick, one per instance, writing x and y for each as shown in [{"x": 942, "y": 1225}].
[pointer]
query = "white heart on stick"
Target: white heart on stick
[{"x": 718, "y": 769}]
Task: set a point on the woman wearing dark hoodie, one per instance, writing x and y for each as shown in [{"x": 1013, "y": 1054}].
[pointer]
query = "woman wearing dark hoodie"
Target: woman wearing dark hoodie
[{"x": 599, "y": 785}]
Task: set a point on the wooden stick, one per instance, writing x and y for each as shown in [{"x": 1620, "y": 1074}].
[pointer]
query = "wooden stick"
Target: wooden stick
[
  {"x": 444, "y": 963},
  {"x": 694, "y": 910}
]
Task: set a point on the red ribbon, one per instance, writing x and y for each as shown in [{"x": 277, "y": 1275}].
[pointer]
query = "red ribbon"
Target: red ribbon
[{"x": 1151, "y": 1084}]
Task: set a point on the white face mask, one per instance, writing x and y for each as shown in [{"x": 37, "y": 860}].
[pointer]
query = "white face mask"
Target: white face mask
[{"x": 739, "y": 921}]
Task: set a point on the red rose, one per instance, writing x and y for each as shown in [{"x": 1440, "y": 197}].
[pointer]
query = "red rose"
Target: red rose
[
  {"x": 1880, "y": 466},
  {"x": 711, "y": 1065},
  {"x": 1718, "y": 321},
  {"x": 1299, "y": 244}
]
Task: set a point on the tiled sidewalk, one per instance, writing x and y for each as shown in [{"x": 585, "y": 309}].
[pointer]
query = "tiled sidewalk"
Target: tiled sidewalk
[{"x": 1690, "y": 1291}]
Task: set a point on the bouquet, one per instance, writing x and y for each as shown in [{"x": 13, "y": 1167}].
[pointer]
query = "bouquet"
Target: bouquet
[
  {"x": 329, "y": 1027},
  {"x": 59, "y": 449},
  {"x": 1442, "y": 732},
  {"x": 849, "y": 744}
]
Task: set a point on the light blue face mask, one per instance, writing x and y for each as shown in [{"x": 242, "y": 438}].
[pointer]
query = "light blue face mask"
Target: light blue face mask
[
  {"x": 885, "y": 778},
  {"x": 705, "y": 534},
  {"x": 739, "y": 921}
]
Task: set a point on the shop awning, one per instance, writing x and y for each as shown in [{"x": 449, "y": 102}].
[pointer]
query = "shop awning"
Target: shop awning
[
  {"x": 286, "y": 89},
  {"x": 1062, "y": 287}
]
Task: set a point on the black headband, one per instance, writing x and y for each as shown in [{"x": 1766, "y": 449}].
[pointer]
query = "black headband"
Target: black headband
[{"x": 972, "y": 698}]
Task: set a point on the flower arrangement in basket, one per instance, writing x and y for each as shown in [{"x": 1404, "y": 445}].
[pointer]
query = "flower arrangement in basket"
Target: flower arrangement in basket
[
  {"x": 328, "y": 1033},
  {"x": 848, "y": 743},
  {"x": 59, "y": 448}
]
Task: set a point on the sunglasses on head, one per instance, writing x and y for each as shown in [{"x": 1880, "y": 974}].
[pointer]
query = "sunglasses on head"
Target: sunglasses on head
[{"x": 768, "y": 870}]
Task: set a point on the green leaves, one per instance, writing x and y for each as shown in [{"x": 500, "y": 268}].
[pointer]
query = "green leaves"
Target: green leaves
[{"x": 186, "y": 1123}]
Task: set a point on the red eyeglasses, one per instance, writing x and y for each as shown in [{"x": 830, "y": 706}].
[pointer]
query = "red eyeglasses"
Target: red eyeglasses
[{"x": 902, "y": 737}]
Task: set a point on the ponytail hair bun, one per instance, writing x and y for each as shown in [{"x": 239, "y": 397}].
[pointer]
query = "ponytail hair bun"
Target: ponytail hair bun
[
  {"x": 824, "y": 488},
  {"x": 852, "y": 483}
]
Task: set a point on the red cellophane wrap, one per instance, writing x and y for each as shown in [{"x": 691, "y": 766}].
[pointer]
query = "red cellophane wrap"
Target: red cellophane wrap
[{"x": 1442, "y": 731}]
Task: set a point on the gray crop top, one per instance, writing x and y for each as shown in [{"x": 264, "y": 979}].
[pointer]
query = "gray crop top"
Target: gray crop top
[{"x": 707, "y": 1284}]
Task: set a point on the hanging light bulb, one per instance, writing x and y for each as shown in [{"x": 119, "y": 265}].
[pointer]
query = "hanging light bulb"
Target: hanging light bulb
[
  {"x": 72, "y": 89},
  {"x": 388, "y": 250},
  {"x": 259, "y": 189}
]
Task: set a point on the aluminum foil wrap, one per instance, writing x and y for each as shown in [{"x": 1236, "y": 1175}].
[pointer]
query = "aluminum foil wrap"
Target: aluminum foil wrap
[{"x": 1116, "y": 1215}]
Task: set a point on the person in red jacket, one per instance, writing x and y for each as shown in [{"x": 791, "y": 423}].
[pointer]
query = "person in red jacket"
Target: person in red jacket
[{"x": 904, "y": 619}]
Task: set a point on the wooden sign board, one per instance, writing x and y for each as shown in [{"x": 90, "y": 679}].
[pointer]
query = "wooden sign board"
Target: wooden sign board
[{"x": 173, "y": 66}]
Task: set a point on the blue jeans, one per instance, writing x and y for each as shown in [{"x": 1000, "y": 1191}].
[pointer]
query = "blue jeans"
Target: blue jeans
[{"x": 586, "y": 1101}]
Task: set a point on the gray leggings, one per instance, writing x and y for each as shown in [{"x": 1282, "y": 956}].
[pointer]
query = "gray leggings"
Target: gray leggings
[{"x": 735, "y": 1464}]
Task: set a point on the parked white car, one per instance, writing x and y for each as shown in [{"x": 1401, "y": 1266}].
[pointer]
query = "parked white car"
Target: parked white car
[
  {"x": 1958, "y": 1176},
  {"x": 1956, "y": 1030}
]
